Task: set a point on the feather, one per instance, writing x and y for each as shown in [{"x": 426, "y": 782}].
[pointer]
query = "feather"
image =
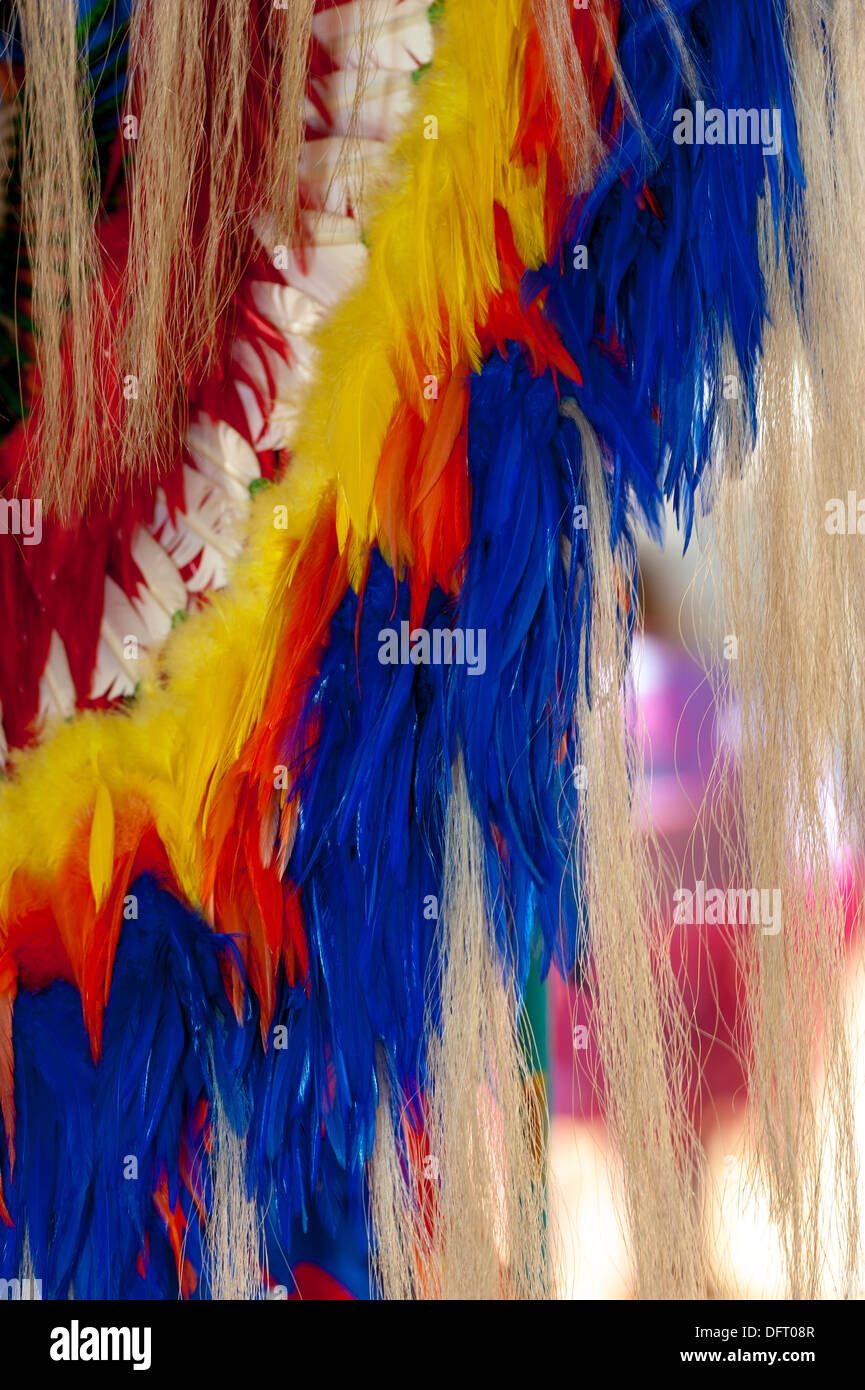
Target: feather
[
  {"x": 56, "y": 688},
  {"x": 8, "y": 983},
  {"x": 101, "y": 854}
]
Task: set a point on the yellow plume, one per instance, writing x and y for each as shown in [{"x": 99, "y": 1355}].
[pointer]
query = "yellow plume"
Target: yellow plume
[{"x": 101, "y": 858}]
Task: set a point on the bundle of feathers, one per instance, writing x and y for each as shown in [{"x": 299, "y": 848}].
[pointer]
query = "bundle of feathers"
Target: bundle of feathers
[{"x": 347, "y": 349}]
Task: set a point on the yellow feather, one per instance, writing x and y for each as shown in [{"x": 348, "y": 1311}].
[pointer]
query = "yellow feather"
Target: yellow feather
[{"x": 101, "y": 857}]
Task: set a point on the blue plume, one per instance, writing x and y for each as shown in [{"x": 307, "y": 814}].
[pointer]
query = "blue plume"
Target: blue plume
[
  {"x": 671, "y": 233},
  {"x": 50, "y": 1195}
]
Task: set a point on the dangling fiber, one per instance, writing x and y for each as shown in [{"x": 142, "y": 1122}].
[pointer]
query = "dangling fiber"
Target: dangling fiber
[
  {"x": 234, "y": 1226},
  {"x": 793, "y": 603},
  {"x": 8, "y": 121},
  {"x": 290, "y": 27},
  {"x": 579, "y": 72},
  {"x": 783, "y": 695},
  {"x": 27, "y": 1275},
  {"x": 222, "y": 259},
  {"x": 640, "y": 1025},
  {"x": 397, "y": 1203},
  {"x": 828, "y": 242},
  {"x": 59, "y": 203},
  {"x": 478, "y": 1231},
  {"x": 581, "y": 138},
  {"x": 191, "y": 219},
  {"x": 169, "y": 314}
]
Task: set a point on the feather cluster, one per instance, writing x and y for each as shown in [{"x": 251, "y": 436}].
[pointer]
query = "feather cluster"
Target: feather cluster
[{"x": 274, "y": 803}]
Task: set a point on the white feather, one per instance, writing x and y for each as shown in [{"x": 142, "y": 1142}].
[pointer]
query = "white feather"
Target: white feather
[
  {"x": 208, "y": 533},
  {"x": 400, "y": 31},
  {"x": 222, "y": 455},
  {"x": 56, "y": 686},
  {"x": 163, "y": 592},
  {"x": 288, "y": 309},
  {"x": 124, "y": 640},
  {"x": 385, "y": 103}
]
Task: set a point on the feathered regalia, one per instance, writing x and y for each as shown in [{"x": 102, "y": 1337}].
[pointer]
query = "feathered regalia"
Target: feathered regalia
[{"x": 347, "y": 349}]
